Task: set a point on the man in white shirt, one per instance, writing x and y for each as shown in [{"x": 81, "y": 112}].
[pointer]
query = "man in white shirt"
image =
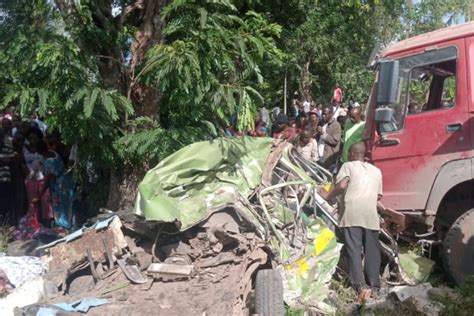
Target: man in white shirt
[{"x": 360, "y": 184}]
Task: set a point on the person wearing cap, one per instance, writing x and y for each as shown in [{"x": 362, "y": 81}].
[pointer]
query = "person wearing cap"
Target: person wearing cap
[
  {"x": 283, "y": 130},
  {"x": 313, "y": 123},
  {"x": 329, "y": 140}
]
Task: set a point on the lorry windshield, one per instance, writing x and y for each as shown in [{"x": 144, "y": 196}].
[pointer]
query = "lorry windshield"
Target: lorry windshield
[{"x": 426, "y": 82}]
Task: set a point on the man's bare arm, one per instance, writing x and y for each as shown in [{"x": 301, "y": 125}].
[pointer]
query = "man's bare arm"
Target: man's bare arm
[{"x": 339, "y": 188}]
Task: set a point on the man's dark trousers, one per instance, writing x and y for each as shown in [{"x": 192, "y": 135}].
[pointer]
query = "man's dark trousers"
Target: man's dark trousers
[{"x": 359, "y": 241}]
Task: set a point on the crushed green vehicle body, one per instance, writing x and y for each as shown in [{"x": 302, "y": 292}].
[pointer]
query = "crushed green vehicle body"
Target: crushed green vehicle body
[
  {"x": 258, "y": 177},
  {"x": 276, "y": 193},
  {"x": 200, "y": 178}
]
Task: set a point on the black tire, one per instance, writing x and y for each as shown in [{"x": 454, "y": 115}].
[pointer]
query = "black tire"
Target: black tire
[
  {"x": 269, "y": 293},
  {"x": 458, "y": 248}
]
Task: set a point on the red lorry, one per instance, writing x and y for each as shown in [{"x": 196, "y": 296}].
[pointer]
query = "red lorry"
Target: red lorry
[{"x": 420, "y": 133}]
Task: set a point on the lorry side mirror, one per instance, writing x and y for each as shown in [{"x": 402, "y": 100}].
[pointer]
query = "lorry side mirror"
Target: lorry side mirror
[
  {"x": 387, "y": 82},
  {"x": 383, "y": 115}
]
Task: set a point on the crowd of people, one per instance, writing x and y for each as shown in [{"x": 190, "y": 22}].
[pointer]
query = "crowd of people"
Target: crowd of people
[
  {"x": 36, "y": 184},
  {"x": 320, "y": 133}
]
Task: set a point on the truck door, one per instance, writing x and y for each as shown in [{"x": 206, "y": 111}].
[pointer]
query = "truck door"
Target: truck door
[
  {"x": 430, "y": 125},
  {"x": 470, "y": 69}
]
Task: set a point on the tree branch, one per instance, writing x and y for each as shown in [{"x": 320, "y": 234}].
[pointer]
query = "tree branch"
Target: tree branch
[{"x": 128, "y": 10}]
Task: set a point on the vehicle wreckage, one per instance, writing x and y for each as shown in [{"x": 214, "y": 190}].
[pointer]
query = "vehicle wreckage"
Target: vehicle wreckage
[
  {"x": 229, "y": 226},
  {"x": 260, "y": 191}
]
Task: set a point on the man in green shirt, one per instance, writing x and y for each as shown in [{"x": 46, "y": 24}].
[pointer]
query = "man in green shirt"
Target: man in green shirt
[{"x": 353, "y": 132}]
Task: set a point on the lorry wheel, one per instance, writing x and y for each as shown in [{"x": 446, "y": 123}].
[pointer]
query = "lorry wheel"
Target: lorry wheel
[
  {"x": 269, "y": 293},
  {"x": 458, "y": 248}
]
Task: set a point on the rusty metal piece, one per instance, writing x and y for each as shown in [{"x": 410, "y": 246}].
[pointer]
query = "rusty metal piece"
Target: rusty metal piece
[
  {"x": 66, "y": 256},
  {"x": 110, "y": 259},
  {"x": 92, "y": 265},
  {"x": 131, "y": 271},
  {"x": 272, "y": 161},
  {"x": 397, "y": 221}
]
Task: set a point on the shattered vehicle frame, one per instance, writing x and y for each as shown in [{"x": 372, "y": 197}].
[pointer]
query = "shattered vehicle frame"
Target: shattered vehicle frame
[{"x": 250, "y": 206}]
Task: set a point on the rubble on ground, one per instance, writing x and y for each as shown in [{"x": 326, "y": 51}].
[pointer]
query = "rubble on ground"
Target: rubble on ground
[{"x": 421, "y": 298}]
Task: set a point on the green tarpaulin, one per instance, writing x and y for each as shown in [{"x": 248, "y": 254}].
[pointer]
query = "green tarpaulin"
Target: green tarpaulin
[{"x": 190, "y": 183}]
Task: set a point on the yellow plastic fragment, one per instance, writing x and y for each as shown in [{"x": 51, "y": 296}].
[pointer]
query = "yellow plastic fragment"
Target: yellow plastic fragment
[
  {"x": 299, "y": 267},
  {"x": 322, "y": 240},
  {"x": 328, "y": 187}
]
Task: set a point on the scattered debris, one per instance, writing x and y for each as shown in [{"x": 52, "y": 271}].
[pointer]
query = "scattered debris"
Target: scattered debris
[
  {"x": 83, "y": 305},
  {"x": 94, "y": 244},
  {"x": 5, "y": 284},
  {"x": 243, "y": 220},
  {"x": 444, "y": 292},
  {"x": 81, "y": 284},
  {"x": 29, "y": 293},
  {"x": 115, "y": 288},
  {"x": 19, "y": 270},
  {"x": 405, "y": 292},
  {"x": 131, "y": 271},
  {"x": 416, "y": 269},
  {"x": 165, "y": 268},
  {"x": 416, "y": 296}
]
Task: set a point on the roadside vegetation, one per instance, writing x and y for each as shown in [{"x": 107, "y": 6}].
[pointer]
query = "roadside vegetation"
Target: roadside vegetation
[{"x": 131, "y": 83}]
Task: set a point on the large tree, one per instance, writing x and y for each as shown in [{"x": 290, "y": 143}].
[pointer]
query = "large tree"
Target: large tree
[
  {"x": 129, "y": 88},
  {"x": 329, "y": 42}
]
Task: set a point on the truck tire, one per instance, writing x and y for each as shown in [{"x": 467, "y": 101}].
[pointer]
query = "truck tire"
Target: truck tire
[
  {"x": 269, "y": 293},
  {"x": 458, "y": 248}
]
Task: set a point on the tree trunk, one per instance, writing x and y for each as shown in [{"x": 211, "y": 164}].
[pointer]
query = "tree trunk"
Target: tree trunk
[
  {"x": 124, "y": 184},
  {"x": 149, "y": 33},
  {"x": 123, "y": 187},
  {"x": 116, "y": 73},
  {"x": 305, "y": 82}
]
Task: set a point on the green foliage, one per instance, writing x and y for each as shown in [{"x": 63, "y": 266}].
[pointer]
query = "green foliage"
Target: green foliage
[
  {"x": 462, "y": 302},
  {"x": 428, "y": 15},
  {"x": 343, "y": 289},
  {"x": 337, "y": 37},
  {"x": 211, "y": 65},
  {"x": 146, "y": 141},
  {"x": 46, "y": 71},
  {"x": 73, "y": 62}
]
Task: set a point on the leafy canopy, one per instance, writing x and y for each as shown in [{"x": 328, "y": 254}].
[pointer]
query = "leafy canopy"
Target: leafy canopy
[
  {"x": 210, "y": 66},
  {"x": 46, "y": 71}
]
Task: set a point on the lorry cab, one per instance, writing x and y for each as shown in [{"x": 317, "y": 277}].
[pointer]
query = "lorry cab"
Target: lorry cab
[{"x": 420, "y": 133}]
